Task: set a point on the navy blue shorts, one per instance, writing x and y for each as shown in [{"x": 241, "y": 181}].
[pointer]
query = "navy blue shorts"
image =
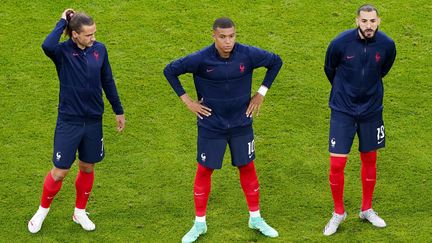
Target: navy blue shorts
[
  {"x": 212, "y": 145},
  {"x": 343, "y": 128},
  {"x": 86, "y": 138}
]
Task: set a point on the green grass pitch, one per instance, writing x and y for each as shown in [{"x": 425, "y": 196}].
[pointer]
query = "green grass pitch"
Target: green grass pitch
[{"x": 143, "y": 189}]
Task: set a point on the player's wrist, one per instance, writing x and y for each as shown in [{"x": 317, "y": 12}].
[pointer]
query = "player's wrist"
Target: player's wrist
[
  {"x": 262, "y": 90},
  {"x": 185, "y": 98}
]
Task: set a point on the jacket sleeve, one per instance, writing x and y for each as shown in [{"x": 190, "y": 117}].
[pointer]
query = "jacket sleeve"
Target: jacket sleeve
[
  {"x": 109, "y": 86},
  {"x": 271, "y": 61},
  {"x": 390, "y": 58},
  {"x": 331, "y": 62},
  {"x": 187, "y": 64},
  {"x": 51, "y": 43}
]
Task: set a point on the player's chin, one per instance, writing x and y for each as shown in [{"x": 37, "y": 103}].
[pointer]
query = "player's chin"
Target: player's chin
[
  {"x": 369, "y": 33},
  {"x": 228, "y": 49}
]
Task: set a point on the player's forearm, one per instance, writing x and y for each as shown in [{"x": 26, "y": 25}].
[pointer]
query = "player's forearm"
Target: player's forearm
[
  {"x": 272, "y": 71},
  {"x": 330, "y": 73},
  {"x": 110, "y": 89},
  {"x": 174, "y": 81}
]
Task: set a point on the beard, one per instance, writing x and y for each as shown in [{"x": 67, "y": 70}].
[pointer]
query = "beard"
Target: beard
[{"x": 363, "y": 33}]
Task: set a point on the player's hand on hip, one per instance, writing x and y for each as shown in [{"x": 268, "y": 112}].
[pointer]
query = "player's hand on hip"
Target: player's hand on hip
[
  {"x": 196, "y": 106},
  {"x": 121, "y": 122},
  {"x": 255, "y": 105}
]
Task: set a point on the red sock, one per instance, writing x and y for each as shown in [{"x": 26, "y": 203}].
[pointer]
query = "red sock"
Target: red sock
[
  {"x": 50, "y": 189},
  {"x": 202, "y": 187},
  {"x": 336, "y": 178},
  {"x": 368, "y": 175},
  {"x": 83, "y": 185},
  {"x": 250, "y": 185}
]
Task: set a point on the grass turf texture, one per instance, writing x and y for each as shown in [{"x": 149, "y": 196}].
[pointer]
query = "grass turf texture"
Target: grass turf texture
[{"x": 143, "y": 189}]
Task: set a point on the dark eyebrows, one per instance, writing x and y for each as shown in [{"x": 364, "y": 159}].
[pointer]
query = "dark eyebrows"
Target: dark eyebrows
[
  {"x": 372, "y": 19},
  {"x": 222, "y": 35},
  {"x": 91, "y": 34}
]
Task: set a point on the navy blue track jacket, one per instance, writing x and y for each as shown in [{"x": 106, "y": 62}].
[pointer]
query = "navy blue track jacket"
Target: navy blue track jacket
[
  {"x": 82, "y": 74},
  {"x": 355, "y": 68},
  {"x": 224, "y": 84}
]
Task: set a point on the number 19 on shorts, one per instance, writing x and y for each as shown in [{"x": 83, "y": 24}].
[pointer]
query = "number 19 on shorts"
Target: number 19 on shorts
[{"x": 380, "y": 134}]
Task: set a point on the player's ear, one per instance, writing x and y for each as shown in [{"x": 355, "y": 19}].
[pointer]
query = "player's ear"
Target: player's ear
[{"x": 74, "y": 34}]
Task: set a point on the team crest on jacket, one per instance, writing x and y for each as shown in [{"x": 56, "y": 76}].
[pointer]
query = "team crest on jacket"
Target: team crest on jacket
[
  {"x": 96, "y": 55},
  {"x": 377, "y": 57},
  {"x": 242, "y": 68}
]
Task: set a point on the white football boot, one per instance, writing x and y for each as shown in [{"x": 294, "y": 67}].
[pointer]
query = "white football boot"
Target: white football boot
[
  {"x": 334, "y": 223},
  {"x": 373, "y": 218},
  {"x": 80, "y": 217},
  {"x": 35, "y": 223}
]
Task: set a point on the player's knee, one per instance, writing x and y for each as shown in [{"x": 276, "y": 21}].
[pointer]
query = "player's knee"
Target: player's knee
[
  {"x": 337, "y": 166},
  {"x": 58, "y": 174},
  {"x": 204, "y": 171},
  {"x": 248, "y": 168},
  {"x": 86, "y": 167}
]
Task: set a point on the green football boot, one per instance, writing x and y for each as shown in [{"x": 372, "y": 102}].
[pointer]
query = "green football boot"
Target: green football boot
[
  {"x": 258, "y": 223},
  {"x": 199, "y": 228}
]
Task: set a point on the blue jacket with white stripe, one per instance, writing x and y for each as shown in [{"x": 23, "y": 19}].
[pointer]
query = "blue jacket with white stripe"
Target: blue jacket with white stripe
[
  {"x": 355, "y": 68},
  {"x": 224, "y": 84},
  {"x": 83, "y": 74}
]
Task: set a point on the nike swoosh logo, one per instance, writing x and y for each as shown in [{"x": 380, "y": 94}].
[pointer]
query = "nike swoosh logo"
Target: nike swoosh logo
[
  {"x": 350, "y": 57},
  {"x": 256, "y": 189},
  {"x": 370, "y": 179},
  {"x": 210, "y": 70},
  {"x": 379, "y": 142},
  {"x": 49, "y": 198},
  {"x": 86, "y": 193},
  {"x": 199, "y": 194}
]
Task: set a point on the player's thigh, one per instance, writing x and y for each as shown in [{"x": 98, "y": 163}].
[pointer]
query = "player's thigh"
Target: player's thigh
[
  {"x": 343, "y": 128},
  {"x": 210, "y": 151},
  {"x": 67, "y": 138},
  {"x": 371, "y": 135},
  {"x": 242, "y": 149},
  {"x": 91, "y": 149}
]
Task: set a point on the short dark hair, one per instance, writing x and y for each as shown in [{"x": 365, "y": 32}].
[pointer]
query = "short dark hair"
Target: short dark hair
[
  {"x": 223, "y": 23},
  {"x": 76, "y": 21},
  {"x": 367, "y": 8}
]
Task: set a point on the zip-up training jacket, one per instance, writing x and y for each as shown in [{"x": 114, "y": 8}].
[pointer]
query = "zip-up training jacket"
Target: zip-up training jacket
[
  {"x": 82, "y": 74},
  {"x": 355, "y": 68},
  {"x": 224, "y": 84}
]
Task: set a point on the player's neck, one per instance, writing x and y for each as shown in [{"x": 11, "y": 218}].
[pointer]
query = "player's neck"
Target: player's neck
[
  {"x": 78, "y": 44},
  {"x": 222, "y": 54}
]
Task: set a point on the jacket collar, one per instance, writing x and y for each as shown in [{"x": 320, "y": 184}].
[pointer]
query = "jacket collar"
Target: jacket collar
[
  {"x": 216, "y": 53},
  {"x": 72, "y": 44}
]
